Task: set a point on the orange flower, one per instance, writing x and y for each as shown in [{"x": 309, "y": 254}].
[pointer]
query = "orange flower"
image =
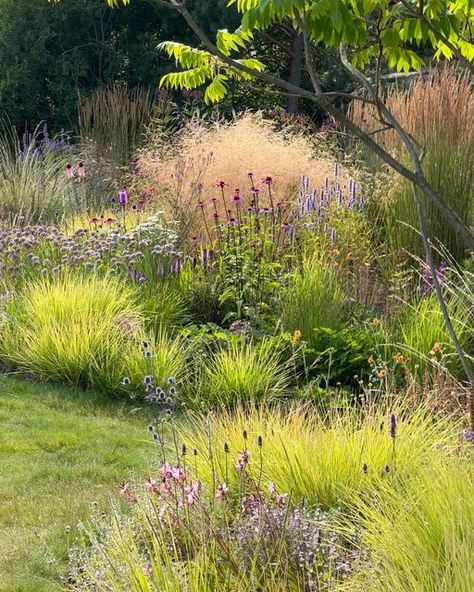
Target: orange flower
[
  {"x": 382, "y": 373},
  {"x": 296, "y": 335},
  {"x": 370, "y": 361},
  {"x": 436, "y": 347}
]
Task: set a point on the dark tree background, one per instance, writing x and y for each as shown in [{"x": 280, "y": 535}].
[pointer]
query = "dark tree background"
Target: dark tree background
[{"x": 49, "y": 52}]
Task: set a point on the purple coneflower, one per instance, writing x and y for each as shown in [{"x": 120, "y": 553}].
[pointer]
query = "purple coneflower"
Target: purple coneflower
[
  {"x": 81, "y": 170},
  {"x": 69, "y": 171},
  {"x": 237, "y": 199}
]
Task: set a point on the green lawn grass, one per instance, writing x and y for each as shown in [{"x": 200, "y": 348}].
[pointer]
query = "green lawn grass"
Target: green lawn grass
[{"x": 60, "y": 451}]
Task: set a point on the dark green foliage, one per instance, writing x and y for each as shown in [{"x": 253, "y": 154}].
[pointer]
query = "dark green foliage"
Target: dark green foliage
[{"x": 50, "y": 51}]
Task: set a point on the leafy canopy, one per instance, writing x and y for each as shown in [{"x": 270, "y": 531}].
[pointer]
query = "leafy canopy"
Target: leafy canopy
[{"x": 372, "y": 29}]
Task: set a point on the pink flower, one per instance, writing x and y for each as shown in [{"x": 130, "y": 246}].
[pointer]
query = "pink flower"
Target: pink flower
[
  {"x": 200, "y": 204},
  {"x": 69, "y": 171},
  {"x": 271, "y": 488},
  {"x": 237, "y": 199},
  {"x": 165, "y": 470},
  {"x": 81, "y": 170},
  {"x": 242, "y": 461},
  {"x": 165, "y": 487},
  {"x": 195, "y": 487},
  {"x": 254, "y": 190},
  {"x": 221, "y": 184},
  {"x": 125, "y": 493},
  {"x": 267, "y": 180},
  {"x": 222, "y": 491},
  {"x": 178, "y": 474}
]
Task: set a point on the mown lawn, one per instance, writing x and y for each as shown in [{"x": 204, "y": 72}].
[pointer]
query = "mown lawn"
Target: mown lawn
[{"x": 60, "y": 451}]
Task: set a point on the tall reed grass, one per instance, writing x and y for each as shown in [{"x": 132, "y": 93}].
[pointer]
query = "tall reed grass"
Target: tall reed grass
[
  {"x": 114, "y": 119},
  {"x": 438, "y": 111}
]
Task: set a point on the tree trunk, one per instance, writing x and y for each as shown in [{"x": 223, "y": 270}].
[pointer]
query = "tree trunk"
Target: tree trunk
[{"x": 294, "y": 76}]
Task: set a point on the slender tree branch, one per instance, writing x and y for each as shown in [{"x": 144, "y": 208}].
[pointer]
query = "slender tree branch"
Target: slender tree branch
[
  {"x": 419, "y": 178},
  {"x": 442, "y": 303}
]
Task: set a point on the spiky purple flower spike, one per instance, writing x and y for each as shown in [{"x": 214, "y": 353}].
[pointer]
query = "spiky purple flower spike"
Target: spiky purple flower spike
[
  {"x": 123, "y": 197},
  {"x": 393, "y": 425}
]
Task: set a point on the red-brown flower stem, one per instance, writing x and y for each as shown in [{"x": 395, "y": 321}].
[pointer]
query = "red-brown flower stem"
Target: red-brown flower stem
[{"x": 224, "y": 203}]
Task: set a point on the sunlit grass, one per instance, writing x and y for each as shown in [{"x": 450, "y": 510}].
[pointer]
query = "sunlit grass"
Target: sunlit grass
[{"x": 60, "y": 451}]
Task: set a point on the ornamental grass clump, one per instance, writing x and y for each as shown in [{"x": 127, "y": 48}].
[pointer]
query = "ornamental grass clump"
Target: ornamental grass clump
[
  {"x": 420, "y": 534},
  {"x": 328, "y": 459},
  {"x": 33, "y": 184},
  {"x": 71, "y": 329},
  {"x": 186, "y": 171},
  {"x": 245, "y": 373},
  {"x": 438, "y": 111},
  {"x": 315, "y": 298}
]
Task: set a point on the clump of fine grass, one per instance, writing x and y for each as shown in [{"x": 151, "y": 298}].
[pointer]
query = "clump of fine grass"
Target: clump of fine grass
[
  {"x": 187, "y": 170},
  {"x": 71, "y": 328},
  {"x": 33, "y": 183},
  {"x": 329, "y": 460},
  {"x": 424, "y": 336},
  {"x": 420, "y": 534},
  {"x": 244, "y": 373},
  {"x": 438, "y": 111},
  {"x": 315, "y": 298}
]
